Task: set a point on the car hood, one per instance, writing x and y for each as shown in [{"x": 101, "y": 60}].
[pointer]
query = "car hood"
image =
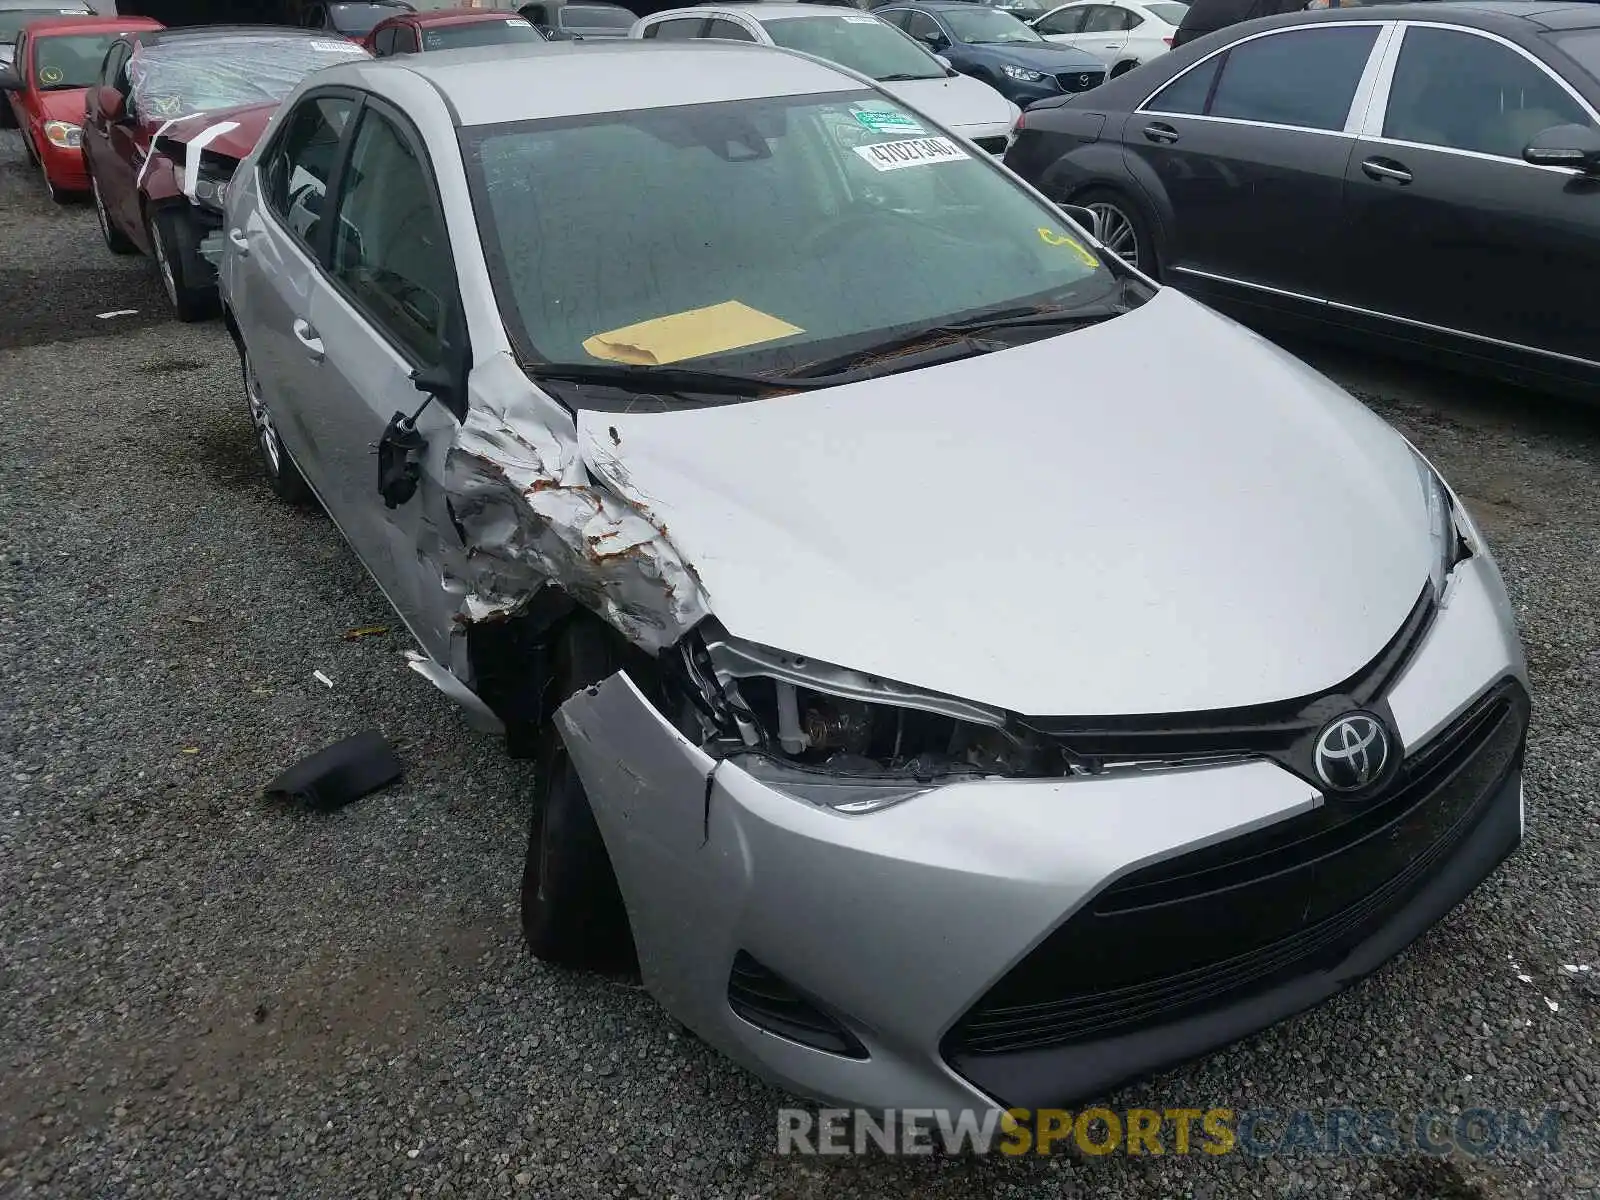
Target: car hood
[
  {"x": 230, "y": 131},
  {"x": 1073, "y": 527},
  {"x": 64, "y": 105},
  {"x": 957, "y": 101},
  {"x": 1046, "y": 56}
]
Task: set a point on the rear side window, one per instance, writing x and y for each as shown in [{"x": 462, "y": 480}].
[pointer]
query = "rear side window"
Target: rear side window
[
  {"x": 1186, "y": 95},
  {"x": 729, "y": 31},
  {"x": 1307, "y": 78},
  {"x": 1584, "y": 45},
  {"x": 392, "y": 252},
  {"x": 679, "y": 30},
  {"x": 296, "y": 173}
]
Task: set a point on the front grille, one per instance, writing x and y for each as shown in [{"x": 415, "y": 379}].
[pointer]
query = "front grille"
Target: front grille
[
  {"x": 770, "y": 1002},
  {"x": 1080, "y": 81},
  {"x": 994, "y": 145},
  {"x": 1210, "y": 927}
]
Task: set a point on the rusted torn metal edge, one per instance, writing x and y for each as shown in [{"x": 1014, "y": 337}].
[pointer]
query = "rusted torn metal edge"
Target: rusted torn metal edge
[{"x": 531, "y": 513}]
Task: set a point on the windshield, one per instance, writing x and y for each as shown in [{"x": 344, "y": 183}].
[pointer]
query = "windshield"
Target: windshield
[
  {"x": 861, "y": 43},
  {"x": 596, "y": 17},
  {"x": 756, "y": 236},
  {"x": 987, "y": 26},
  {"x": 194, "y": 74},
  {"x": 1172, "y": 14},
  {"x": 479, "y": 33},
  {"x": 13, "y": 19},
  {"x": 62, "y": 62},
  {"x": 358, "y": 19},
  {"x": 1583, "y": 45}
]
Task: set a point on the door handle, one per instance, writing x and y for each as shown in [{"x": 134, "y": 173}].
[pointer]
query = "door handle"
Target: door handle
[
  {"x": 308, "y": 338},
  {"x": 240, "y": 242},
  {"x": 1386, "y": 168},
  {"x": 1161, "y": 132}
]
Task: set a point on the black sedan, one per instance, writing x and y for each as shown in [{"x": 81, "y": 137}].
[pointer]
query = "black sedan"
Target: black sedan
[{"x": 1429, "y": 174}]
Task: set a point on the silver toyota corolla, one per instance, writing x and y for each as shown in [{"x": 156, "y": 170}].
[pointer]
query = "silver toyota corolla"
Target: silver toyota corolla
[{"x": 961, "y": 672}]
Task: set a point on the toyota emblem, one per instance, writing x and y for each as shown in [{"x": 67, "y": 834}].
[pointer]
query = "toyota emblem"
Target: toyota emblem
[{"x": 1352, "y": 752}]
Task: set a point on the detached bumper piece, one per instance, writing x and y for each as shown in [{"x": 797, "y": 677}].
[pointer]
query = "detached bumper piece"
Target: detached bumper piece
[
  {"x": 339, "y": 774},
  {"x": 1171, "y": 960}
]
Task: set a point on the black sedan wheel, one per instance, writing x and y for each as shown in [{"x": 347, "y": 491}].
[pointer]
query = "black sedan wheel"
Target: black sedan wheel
[{"x": 1124, "y": 228}]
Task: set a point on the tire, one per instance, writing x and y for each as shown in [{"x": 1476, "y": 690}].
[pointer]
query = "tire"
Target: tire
[
  {"x": 572, "y": 909},
  {"x": 1125, "y": 226},
  {"x": 283, "y": 477},
  {"x": 116, "y": 241},
  {"x": 176, "y": 251}
]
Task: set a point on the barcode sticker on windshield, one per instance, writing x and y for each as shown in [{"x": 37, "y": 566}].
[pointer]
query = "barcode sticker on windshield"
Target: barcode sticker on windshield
[
  {"x": 862, "y": 20},
  {"x": 915, "y": 152},
  {"x": 337, "y": 47}
]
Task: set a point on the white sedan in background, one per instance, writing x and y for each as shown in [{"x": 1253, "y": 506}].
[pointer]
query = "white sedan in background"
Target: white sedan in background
[
  {"x": 861, "y": 42},
  {"x": 1120, "y": 33}
]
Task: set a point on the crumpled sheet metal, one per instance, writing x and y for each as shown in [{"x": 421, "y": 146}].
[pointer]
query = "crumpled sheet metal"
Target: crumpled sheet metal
[{"x": 531, "y": 513}]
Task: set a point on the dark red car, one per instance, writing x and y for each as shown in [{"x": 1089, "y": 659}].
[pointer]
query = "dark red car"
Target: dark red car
[
  {"x": 448, "y": 29},
  {"x": 169, "y": 119},
  {"x": 57, "y": 60}
]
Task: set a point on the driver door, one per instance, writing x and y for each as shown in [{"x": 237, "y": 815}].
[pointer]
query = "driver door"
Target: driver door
[{"x": 1446, "y": 225}]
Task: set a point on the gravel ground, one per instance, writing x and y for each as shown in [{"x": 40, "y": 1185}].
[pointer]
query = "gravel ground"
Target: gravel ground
[{"x": 205, "y": 994}]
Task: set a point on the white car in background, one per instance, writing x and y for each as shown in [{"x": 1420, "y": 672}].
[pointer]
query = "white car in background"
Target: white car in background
[
  {"x": 1120, "y": 33},
  {"x": 857, "y": 40}
]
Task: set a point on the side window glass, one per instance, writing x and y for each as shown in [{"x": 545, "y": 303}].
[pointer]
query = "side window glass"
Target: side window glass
[
  {"x": 677, "y": 31},
  {"x": 391, "y": 251},
  {"x": 405, "y": 40},
  {"x": 383, "y": 44},
  {"x": 1130, "y": 19},
  {"x": 1186, "y": 95},
  {"x": 1307, "y": 78},
  {"x": 729, "y": 31},
  {"x": 1102, "y": 19},
  {"x": 1465, "y": 92},
  {"x": 1067, "y": 21},
  {"x": 295, "y": 173},
  {"x": 924, "y": 28},
  {"x": 900, "y": 18}
]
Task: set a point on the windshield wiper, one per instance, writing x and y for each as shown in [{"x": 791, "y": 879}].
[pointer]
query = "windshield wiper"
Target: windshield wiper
[
  {"x": 905, "y": 77},
  {"x": 957, "y": 332},
  {"x": 646, "y": 378}
]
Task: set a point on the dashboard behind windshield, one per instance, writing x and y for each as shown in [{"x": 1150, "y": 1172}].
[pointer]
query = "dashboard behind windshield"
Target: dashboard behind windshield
[{"x": 754, "y": 236}]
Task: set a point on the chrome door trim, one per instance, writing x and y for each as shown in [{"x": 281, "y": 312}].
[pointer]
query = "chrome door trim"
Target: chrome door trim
[{"x": 1372, "y": 312}]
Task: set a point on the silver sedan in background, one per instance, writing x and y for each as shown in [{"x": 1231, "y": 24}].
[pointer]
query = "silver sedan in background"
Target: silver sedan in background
[{"x": 961, "y": 673}]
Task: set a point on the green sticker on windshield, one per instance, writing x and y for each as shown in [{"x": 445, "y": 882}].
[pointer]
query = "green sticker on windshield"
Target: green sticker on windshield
[{"x": 884, "y": 120}]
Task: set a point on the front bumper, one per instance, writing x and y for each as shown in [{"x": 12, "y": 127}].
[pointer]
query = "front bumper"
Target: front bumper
[
  {"x": 899, "y": 926},
  {"x": 65, "y": 168}
]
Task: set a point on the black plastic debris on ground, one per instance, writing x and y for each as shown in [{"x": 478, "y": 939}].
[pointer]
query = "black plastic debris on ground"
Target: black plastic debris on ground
[{"x": 339, "y": 774}]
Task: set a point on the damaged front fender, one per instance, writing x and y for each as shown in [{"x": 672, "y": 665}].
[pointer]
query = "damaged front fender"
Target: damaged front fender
[{"x": 529, "y": 513}]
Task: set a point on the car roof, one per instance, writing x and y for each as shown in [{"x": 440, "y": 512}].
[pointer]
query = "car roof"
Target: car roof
[
  {"x": 759, "y": 10},
  {"x": 1486, "y": 14},
  {"x": 491, "y": 85},
  {"x": 199, "y": 33},
  {"x": 89, "y": 23}
]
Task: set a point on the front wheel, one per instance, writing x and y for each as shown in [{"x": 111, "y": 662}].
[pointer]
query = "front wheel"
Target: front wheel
[
  {"x": 176, "y": 251},
  {"x": 1125, "y": 229},
  {"x": 116, "y": 241},
  {"x": 572, "y": 909}
]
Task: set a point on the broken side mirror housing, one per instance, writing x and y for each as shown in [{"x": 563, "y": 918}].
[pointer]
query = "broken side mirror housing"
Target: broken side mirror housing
[{"x": 1573, "y": 146}]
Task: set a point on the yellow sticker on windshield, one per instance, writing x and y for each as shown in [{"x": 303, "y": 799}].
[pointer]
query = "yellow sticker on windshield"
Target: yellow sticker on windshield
[
  {"x": 1051, "y": 238},
  {"x": 50, "y": 75},
  {"x": 690, "y": 334}
]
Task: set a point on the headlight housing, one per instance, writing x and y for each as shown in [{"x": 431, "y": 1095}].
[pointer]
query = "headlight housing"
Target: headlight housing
[
  {"x": 64, "y": 135},
  {"x": 1450, "y": 534},
  {"x": 843, "y": 739},
  {"x": 1023, "y": 74}
]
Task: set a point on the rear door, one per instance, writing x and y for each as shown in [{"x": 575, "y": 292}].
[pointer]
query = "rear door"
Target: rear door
[
  {"x": 1249, "y": 147},
  {"x": 1447, "y": 225},
  {"x": 286, "y": 235}
]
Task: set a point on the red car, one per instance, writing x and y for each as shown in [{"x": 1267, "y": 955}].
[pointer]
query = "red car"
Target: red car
[
  {"x": 172, "y": 116},
  {"x": 448, "y": 29},
  {"x": 57, "y": 60}
]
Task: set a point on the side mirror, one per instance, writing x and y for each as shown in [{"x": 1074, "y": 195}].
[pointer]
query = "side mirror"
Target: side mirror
[
  {"x": 1084, "y": 217},
  {"x": 111, "y": 103},
  {"x": 1574, "y": 146},
  {"x": 10, "y": 81},
  {"x": 945, "y": 63}
]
